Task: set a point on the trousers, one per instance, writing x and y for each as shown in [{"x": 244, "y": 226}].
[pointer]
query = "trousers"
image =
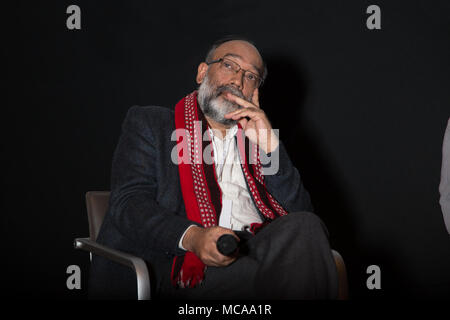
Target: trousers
[{"x": 290, "y": 258}]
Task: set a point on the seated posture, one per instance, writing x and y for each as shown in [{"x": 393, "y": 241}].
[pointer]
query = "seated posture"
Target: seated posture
[{"x": 213, "y": 165}]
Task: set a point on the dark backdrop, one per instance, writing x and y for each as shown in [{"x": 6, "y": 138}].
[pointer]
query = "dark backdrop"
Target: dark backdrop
[{"x": 362, "y": 114}]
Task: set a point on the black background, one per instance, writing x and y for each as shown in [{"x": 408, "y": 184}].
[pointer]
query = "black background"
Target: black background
[{"x": 362, "y": 113}]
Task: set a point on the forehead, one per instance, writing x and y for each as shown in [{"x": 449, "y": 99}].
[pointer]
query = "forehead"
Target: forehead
[{"x": 241, "y": 51}]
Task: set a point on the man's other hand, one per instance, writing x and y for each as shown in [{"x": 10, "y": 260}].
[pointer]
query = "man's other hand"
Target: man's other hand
[{"x": 203, "y": 242}]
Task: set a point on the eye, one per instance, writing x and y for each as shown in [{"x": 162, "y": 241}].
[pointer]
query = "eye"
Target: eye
[
  {"x": 251, "y": 77},
  {"x": 227, "y": 65}
]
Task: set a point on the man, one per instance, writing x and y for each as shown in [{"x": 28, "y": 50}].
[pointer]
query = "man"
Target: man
[{"x": 183, "y": 178}]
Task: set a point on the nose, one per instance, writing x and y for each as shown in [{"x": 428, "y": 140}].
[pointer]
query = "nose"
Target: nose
[{"x": 238, "y": 79}]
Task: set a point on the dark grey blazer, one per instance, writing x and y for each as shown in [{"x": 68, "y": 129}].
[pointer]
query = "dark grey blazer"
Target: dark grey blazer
[{"x": 146, "y": 215}]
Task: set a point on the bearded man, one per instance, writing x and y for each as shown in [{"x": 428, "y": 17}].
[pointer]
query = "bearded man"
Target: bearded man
[{"x": 214, "y": 165}]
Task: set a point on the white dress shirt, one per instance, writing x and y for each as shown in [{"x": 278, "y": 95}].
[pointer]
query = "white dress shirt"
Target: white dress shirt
[{"x": 238, "y": 209}]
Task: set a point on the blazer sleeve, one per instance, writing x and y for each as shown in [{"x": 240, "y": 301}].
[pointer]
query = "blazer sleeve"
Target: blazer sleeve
[
  {"x": 444, "y": 186},
  {"x": 283, "y": 181},
  {"x": 133, "y": 207}
]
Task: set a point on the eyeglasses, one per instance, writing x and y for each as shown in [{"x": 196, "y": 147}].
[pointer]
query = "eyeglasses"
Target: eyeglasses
[{"x": 229, "y": 66}]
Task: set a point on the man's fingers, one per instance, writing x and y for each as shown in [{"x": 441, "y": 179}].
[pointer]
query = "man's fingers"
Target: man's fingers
[
  {"x": 251, "y": 113},
  {"x": 216, "y": 259},
  {"x": 224, "y": 260},
  {"x": 228, "y": 261},
  {"x": 220, "y": 263},
  {"x": 252, "y": 109},
  {"x": 210, "y": 254},
  {"x": 255, "y": 98},
  {"x": 242, "y": 102}
]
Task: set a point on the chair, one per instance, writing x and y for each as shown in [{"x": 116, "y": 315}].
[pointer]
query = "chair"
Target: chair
[
  {"x": 342, "y": 276},
  {"x": 97, "y": 205}
]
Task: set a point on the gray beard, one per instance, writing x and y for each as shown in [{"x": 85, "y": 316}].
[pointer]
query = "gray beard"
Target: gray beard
[{"x": 216, "y": 106}]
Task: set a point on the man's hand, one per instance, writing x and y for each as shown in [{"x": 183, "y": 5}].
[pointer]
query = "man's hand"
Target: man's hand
[
  {"x": 258, "y": 129},
  {"x": 203, "y": 242}
]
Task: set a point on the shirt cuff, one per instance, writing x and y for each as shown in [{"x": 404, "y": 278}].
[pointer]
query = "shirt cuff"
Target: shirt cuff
[{"x": 180, "y": 243}]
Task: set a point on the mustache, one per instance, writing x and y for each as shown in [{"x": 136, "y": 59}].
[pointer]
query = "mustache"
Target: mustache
[{"x": 230, "y": 89}]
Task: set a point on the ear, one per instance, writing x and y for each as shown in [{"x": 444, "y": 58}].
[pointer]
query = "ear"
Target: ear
[{"x": 201, "y": 72}]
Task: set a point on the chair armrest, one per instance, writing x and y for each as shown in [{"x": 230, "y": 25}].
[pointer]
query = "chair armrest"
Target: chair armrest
[
  {"x": 342, "y": 276},
  {"x": 138, "y": 264}
]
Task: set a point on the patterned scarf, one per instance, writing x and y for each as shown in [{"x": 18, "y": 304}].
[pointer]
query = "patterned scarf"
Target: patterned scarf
[{"x": 201, "y": 191}]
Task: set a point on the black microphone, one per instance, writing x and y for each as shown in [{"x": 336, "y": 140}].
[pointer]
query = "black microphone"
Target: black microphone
[{"x": 227, "y": 245}]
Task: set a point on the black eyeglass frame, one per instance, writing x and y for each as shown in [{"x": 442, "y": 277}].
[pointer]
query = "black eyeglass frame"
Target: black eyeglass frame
[{"x": 261, "y": 80}]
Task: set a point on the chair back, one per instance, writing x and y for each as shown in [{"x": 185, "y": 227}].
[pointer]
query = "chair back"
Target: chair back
[{"x": 97, "y": 205}]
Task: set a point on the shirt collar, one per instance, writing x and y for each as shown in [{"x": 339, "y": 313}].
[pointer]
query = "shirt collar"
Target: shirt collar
[{"x": 230, "y": 132}]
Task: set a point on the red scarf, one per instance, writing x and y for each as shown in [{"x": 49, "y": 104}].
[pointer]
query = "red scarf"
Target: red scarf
[{"x": 201, "y": 191}]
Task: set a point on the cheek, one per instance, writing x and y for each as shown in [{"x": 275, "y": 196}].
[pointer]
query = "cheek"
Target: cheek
[
  {"x": 216, "y": 78},
  {"x": 248, "y": 95}
]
